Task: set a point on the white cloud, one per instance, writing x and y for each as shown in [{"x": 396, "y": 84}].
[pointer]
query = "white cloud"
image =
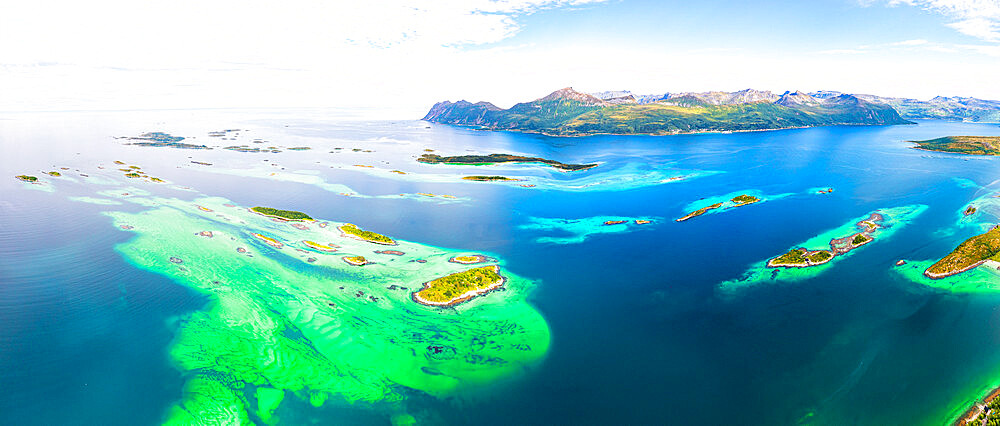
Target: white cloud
[
  {"x": 917, "y": 42},
  {"x": 124, "y": 53},
  {"x": 172, "y": 33},
  {"x": 976, "y": 18}
]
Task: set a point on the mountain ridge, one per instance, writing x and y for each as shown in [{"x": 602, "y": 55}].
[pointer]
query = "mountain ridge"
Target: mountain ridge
[{"x": 567, "y": 112}]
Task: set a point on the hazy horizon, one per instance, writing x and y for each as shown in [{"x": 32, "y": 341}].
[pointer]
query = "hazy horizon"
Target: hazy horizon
[{"x": 399, "y": 59}]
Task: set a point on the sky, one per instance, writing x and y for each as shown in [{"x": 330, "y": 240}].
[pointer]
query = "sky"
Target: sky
[{"x": 396, "y": 58}]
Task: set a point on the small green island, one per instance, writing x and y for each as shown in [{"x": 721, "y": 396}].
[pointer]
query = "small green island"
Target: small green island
[
  {"x": 804, "y": 258},
  {"x": 352, "y": 230},
  {"x": 54, "y": 173},
  {"x": 281, "y": 214},
  {"x": 469, "y": 259},
  {"x": 481, "y": 160},
  {"x": 459, "y": 287},
  {"x": 969, "y": 254},
  {"x": 970, "y": 145},
  {"x": 355, "y": 260},
  {"x": 698, "y": 212},
  {"x": 743, "y": 199},
  {"x": 26, "y": 178},
  {"x": 491, "y": 179},
  {"x": 737, "y": 201},
  {"x": 318, "y": 246},
  {"x": 162, "y": 139}
]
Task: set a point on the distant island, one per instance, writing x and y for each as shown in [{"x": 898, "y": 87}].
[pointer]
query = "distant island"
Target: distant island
[
  {"x": 972, "y": 145},
  {"x": 456, "y": 288},
  {"x": 699, "y": 212},
  {"x": 161, "y": 139},
  {"x": 281, "y": 214},
  {"x": 971, "y": 253},
  {"x": 480, "y": 160},
  {"x": 355, "y": 260},
  {"x": 351, "y": 230},
  {"x": 567, "y": 112},
  {"x": 737, "y": 201},
  {"x": 317, "y": 246},
  {"x": 491, "y": 179},
  {"x": 953, "y": 108}
]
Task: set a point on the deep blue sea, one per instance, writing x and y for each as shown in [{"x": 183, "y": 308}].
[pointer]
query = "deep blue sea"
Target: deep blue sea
[{"x": 641, "y": 333}]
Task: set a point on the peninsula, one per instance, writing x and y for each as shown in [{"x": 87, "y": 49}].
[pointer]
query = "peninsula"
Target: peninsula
[
  {"x": 971, "y": 253},
  {"x": 567, "y": 112},
  {"x": 459, "y": 287},
  {"x": 971, "y": 145},
  {"x": 481, "y": 160}
]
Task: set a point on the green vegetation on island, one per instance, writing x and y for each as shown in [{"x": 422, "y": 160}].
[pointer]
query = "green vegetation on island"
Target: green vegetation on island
[
  {"x": 355, "y": 260},
  {"x": 744, "y": 199},
  {"x": 969, "y": 254},
  {"x": 281, "y": 214},
  {"x": 737, "y": 201},
  {"x": 567, "y": 112},
  {"x": 699, "y": 212},
  {"x": 802, "y": 257},
  {"x": 372, "y": 237},
  {"x": 332, "y": 334},
  {"x": 479, "y": 160},
  {"x": 971, "y": 145},
  {"x": 491, "y": 178},
  {"x": 54, "y": 173},
  {"x": 26, "y": 178},
  {"x": 982, "y": 413},
  {"x": 456, "y": 288},
  {"x": 469, "y": 259}
]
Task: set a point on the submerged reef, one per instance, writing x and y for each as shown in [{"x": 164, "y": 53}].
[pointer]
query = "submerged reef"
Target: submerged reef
[
  {"x": 575, "y": 231},
  {"x": 816, "y": 255},
  {"x": 727, "y": 201},
  {"x": 314, "y": 328}
]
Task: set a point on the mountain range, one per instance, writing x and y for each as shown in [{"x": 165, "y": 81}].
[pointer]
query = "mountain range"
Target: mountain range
[{"x": 567, "y": 112}]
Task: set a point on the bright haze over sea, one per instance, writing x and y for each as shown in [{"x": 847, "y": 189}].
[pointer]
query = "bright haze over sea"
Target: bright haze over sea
[{"x": 395, "y": 58}]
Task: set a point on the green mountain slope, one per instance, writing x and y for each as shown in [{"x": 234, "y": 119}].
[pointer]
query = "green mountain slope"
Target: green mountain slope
[{"x": 567, "y": 112}]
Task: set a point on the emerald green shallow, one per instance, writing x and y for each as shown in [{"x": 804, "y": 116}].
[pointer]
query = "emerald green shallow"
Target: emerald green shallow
[
  {"x": 894, "y": 219},
  {"x": 293, "y": 323}
]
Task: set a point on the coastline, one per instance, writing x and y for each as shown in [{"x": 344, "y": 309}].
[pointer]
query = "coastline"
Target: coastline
[
  {"x": 464, "y": 297},
  {"x": 919, "y": 148},
  {"x": 348, "y": 235},
  {"x": 251, "y": 210},
  {"x": 937, "y": 276},
  {"x": 977, "y": 408},
  {"x": 695, "y": 132}
]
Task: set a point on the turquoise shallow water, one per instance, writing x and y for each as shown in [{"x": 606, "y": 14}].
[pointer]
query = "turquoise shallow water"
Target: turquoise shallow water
[{"x": 641, "y": 331}]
